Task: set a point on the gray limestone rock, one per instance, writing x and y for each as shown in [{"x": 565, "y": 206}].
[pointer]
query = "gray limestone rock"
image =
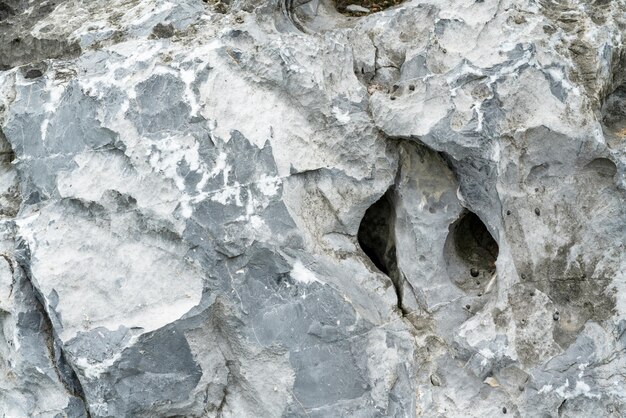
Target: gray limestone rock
[{"x": 271, "y": 209}]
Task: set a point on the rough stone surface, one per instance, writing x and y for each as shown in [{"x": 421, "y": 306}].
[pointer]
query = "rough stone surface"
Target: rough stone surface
[{"x": 267, "y": 208}]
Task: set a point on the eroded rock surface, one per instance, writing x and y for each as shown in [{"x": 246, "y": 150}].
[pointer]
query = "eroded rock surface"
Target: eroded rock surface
[{"x": 273, "y": 209}]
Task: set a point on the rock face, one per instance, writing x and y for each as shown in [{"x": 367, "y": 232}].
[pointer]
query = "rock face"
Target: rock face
[{"x": 271, "y": 209}]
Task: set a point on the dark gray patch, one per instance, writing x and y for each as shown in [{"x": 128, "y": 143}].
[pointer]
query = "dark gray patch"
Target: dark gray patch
[
  {"x": 517, "y": 53},
  {"x": 98, "y": 344},
  {"x": 75, "y": 125},
  {"x": 38, "y": 177},
  {"x": 215, "y": 218},
  {"x": 278, "y": 219},
  {"x": 70, "y": 129},
  {"x": 157, "y": 370},
  {"x": 326, "y": 374},
  {"x": 160, "y": 106},
  {"x": 492, "y": 116},
  {"x": 283, "y": 311},
  {"x": 162, "y": 30},
  {"x": 31, "y": 320},
  {"x": 201, "y": 243},
  {"x": 75, "y": 408},
  {"x": 413, "y": 69},
  {"x": 190, "y": 177},
  {"x": 227, "y": 219},
  {"x": 248, "y": 161},
  {"x": 556, "y": 87}
]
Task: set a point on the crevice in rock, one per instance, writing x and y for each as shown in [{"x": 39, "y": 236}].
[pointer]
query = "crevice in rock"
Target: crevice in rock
[
  {"x": 471, "y": 253},
  {"x": 63, "y": 369},
  {"x": 376, "y": 237},
  {"x": 219, "y": 411}
]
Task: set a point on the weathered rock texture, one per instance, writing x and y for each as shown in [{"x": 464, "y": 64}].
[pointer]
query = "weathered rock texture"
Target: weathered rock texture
[{"x": 266, "y": 208}]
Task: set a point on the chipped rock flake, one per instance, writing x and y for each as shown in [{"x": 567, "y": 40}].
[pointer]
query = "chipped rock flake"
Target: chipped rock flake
[{"x": 300, "y": 209}]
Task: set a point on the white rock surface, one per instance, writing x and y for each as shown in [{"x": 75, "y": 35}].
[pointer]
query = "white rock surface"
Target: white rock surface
[{"x": 269, "y": 209}]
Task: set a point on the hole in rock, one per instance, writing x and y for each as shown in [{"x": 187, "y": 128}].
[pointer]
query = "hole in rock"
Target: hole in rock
[
  {"x": 603, "y": 167},
  {"x": 376, "y": 234},
  {"x": 376, "y": 237},
  {"x": 471, "y": 252},
  {"x": 364, "y": 7},
  {"x": 614, "y": 112},
  {"x": 33, "y": 73}
]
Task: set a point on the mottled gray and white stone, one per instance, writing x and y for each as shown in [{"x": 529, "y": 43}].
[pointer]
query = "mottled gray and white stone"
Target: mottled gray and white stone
[{"x": 269, "y": 209}]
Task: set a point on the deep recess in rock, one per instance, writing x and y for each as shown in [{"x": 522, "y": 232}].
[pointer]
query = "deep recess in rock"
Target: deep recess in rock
[
  {"x": 471, "y": 252},
  {"x": 376, "y": 234},
  {"x": 377, "y": 240},
  {"x": 614, "y": 112}
]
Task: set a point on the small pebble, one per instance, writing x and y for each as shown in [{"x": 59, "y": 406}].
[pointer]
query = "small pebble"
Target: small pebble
[
  {"x": 355, "y": 8},
  {"x": 556, "y": 316},
  {"x": 474, "y": 272},
  {"x": 504, "y": 409},
  {"x": 537, "y": 211}
]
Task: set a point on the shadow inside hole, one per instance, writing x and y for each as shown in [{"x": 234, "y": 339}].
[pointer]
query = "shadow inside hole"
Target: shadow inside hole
[
  {"x": 614, "y": 113},
  {"x": 376, "y": 234},
  {"x": 471, "y": 253}
]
